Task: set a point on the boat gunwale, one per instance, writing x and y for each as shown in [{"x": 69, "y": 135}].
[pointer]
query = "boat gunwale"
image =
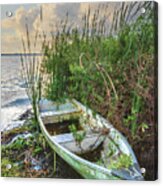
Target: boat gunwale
[{"x": 54, "y": 113}]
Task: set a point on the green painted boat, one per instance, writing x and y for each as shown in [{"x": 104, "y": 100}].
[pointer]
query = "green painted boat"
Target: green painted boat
[{"x": 111, "y": 158}]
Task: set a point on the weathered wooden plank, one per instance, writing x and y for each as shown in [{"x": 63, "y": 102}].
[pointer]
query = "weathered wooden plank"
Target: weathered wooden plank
[
  {"x": 47, "y": 106},
  {"x": 89, "y": 143},
  {"x": 51, "y": 119},
  {"x": 50, "y": 113}
]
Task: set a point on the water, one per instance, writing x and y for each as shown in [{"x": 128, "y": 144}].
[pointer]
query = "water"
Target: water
[{"x": 14, "y": 100}]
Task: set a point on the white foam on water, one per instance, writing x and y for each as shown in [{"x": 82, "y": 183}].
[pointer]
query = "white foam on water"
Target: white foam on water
[
  {"x": 10, "y": 114},
  {"x": 14, "y": 101}
]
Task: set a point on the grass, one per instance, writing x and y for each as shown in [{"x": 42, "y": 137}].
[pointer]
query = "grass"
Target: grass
[
  {"x": 104, "y": 70},
  {"x": 124, "y": 161},
  {"x": 108, "y": 66},
  {"x": 18, "y": 157},
  {"x": 31, "y": 67}
]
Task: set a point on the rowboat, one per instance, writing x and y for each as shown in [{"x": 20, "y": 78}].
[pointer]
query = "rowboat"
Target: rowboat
[{"x": 87, "y": 141}]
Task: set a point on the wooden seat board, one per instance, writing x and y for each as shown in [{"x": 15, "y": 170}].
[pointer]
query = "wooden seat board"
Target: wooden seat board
[{"x": 89, "y": 143}]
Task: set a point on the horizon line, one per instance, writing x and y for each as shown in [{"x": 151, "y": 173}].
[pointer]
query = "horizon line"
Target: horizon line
[{"x": 35, "y": 53}]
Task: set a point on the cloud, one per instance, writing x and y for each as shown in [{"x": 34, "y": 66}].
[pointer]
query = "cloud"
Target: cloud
[
  {"x": 14, "y": 28},
  {"x": 9, "y": 42},
  {"x": 71, "y": 8},
  {"x": 20, "y": 19},
  {"x": 51, "y": 15},
  {"x": 47, "y": 20}
]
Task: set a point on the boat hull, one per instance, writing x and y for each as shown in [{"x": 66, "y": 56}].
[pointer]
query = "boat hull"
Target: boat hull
[{"x": 85, "y": 168}]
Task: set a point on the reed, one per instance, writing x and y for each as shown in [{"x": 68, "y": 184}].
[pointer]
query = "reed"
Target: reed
[
  {"x": 101, "y": 62},
  {"x": 31, "y": 68},
  {"x": 95, "y": 61},
  {"x": 104, "y": 63}
]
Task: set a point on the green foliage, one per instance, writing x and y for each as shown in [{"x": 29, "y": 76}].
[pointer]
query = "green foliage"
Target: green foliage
[
  {"x": 111, "y": 149},
  {"x": 143, "y": 127},
  {"x": 107, "y": 71},
  {"x": 73, "y": 128},
  {"x": 19, "y": 144},
  {"x": 17, "y": 156},
  {"x": 37, "y": 150},
  {"x": 123, "y": 161},
  {"x": 78, "y": 135},
  {"x": 9, "y": 168},
  {"x": 110, "y": 71},
  {"x": 131, "y": 120},
  {"x": 31, "y": 68}
]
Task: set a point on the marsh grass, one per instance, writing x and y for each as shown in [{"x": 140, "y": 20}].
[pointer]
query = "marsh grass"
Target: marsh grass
[
  {"x": 89, "y": 62},
  {"x": 106, "y": 63},
  {"x": 31, "y": 67},
  {"x": 94, "y": 61}
]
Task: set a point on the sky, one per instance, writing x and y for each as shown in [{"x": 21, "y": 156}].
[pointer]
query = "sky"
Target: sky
[{"x": 13, "y": 27}]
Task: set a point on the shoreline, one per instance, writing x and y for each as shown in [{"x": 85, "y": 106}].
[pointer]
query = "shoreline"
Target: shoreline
[{"x": 12, "y": 112}]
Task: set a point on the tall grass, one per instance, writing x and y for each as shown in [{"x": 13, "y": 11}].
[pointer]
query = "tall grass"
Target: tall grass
[
  {"x": 31, "y": 67},
  {"x": 93, "y": 62},
  {"x": 107, "y": 64},
  {"x": 103, "y": 63}
]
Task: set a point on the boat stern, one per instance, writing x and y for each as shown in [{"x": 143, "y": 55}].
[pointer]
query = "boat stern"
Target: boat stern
[{"x": 132, "y": 173}]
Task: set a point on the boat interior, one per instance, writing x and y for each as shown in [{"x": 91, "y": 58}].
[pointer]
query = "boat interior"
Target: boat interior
[
  {"x": 58, "y": 119},
  {"x": 74, "y": 129}
]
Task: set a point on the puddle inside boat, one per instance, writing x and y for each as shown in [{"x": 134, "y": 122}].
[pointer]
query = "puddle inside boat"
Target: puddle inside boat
[
  {"x": 93, "y": 155},
  {"x": 62, "y": 127}
]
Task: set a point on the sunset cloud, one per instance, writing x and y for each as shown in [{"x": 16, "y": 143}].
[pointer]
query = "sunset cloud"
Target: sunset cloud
[
  {"x": 51, "y": 15},
  {"x": 18, "y": 21}
]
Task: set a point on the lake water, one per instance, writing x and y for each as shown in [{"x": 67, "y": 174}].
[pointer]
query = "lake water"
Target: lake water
[{"x": 14, "y": 100}]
